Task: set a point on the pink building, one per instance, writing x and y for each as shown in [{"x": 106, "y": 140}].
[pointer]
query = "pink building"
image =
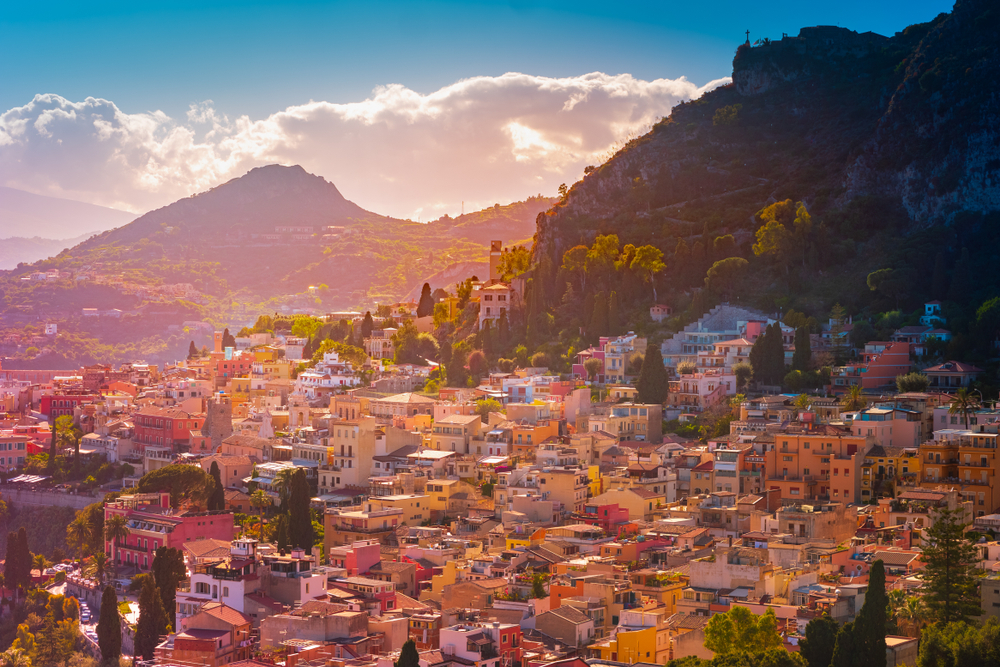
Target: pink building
[
  {"x": 358, "y": 558},
  {"x": 153, "y": 524},
  {"x": 880, "y": 363}
]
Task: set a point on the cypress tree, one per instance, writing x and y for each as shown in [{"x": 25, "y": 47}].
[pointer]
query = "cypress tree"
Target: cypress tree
[
  {"x": 486, "y": 338},
  {"x": 192, "y": 350},
  {"x": 869, "y": 627},
  {"x": 24, "y": 559},
  {"x": 503, "y": 331},
  {"x": 168, "y": 570},
  {"x": 281, "y": 533},
  {"x": 845, "y": 650},
  {"x": 425, "y": 306},
  {"x": 367, "y": 325},
  {"x": 599, "y": 317},
  {"x": 217, "y": 497},
  {"x": 614, "y": 319},
  {"x": 818, "y": 644},
  {"x": 109, "y": 627},
  {"x": 803, "y": 350},
  {"x": 939, "y": 279},
  {"x": 300, "y": 528},
  {"x": 228, "y": 340},
  {"x": 777, "y": 354},
  {"x": 757, "y": 357},
  {"x": 11, "y": 567},
  {"x": 408, "y": 656},
  {"x": 152, "y": 620},
  {"x": 653, "y": 383}
]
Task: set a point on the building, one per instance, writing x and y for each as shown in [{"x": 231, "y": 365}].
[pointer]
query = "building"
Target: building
[
  {"x": 816, "y": 462},
  {"x": 952, "y": 375},
  {"x": 881, "y": 363},
  {"x": 214, "y": 636},
  {"x": 628, "y": 421},
  {"x": 152, "y": 523},
  {"x": 966, "y": 460},
  {"x": 380, "y": 345},
  {"x": 168, "y": 427},
  {"x": 344, "y": 528}
]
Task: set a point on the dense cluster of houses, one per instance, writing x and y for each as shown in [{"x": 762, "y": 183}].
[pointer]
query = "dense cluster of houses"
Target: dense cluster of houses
[{"x": 565, "y": 526}]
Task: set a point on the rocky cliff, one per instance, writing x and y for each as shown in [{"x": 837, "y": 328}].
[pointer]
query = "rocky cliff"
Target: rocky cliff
[{"x": 868, "y": 130}]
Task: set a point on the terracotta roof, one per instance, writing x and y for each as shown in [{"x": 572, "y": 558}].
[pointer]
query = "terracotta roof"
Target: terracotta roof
[
  {"x": 208, "y": 547},
  {"x": 894, "y": 557},
  {"x": 226, "y": 614},
  {"x": 953, "y": 367}
]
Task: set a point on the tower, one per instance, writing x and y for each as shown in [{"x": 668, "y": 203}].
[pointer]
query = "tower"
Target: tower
[
  {"x": 496, "y": 249},
  {"x": 217, "y": 342}
]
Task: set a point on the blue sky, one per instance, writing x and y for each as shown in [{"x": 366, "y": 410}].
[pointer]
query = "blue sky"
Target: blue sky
[
  {"x": 407, "y": 107},
  {"x": 256, "y": 57}
]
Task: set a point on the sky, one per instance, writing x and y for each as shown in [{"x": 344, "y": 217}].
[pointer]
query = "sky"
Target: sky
[{"x": 410, "y": 108}]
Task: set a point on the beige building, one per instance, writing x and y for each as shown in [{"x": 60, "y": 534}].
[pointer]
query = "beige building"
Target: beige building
[
  {"x": 401, "y": 405},
  {"x": 379, "y": 345},
  {"x": 456, "y": 433}
]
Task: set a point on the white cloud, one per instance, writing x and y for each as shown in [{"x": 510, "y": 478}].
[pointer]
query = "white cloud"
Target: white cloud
[{"x": 480, "y": 140}]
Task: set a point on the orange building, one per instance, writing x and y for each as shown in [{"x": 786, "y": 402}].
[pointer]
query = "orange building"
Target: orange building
[{"x": 816, "y": 462}]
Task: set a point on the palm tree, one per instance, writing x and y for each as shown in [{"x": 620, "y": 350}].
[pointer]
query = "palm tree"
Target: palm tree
[
  {"x": 115, "y": 530},
  {"x": 80, "y": 533},
  {"x": 912, "y": 614},
  {"x": 963, "y": 404},
  {"x": 802, "y": 401},
  {"x": 259, "y": 500},
  {"x": 854, "y": 399},
  {"x": 98, "y": 566},
  {"x": 40, "y": 562}
]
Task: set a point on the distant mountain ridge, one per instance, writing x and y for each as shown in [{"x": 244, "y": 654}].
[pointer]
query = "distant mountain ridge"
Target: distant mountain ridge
[{"x": 27, "y": 215}]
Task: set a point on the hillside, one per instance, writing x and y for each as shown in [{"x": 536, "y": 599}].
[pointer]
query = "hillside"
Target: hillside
[
  {"x": 16, "y": 250},
  {"x": 277, "y": 239},
  {"x": 889, "y": 142},
  {"x": 27, "y": 215}
]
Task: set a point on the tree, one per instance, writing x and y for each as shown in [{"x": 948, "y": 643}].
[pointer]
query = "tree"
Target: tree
[
  {"x": 282, "y": 484},
  {"x": 97, "y": 568},
  {"x": 260, "y": 500},
  {"x": 726, "y": 276},
  {"x": 15, "y": 657},
  {"x": 963, "y": 403},
  {"x": 184, "y": 482},
  {"x": 686, "y": 368},
  {"x": 854, "y": 399},
  {"x": 109, "y": 627},
  {"x": 152, "y": 620},
  {"x": 653, "y": 383},
  {"x": 803, "y": 350},
  {"x": 539, "y": 360},
  {"x": 486, "y": 338},
  {"x": 408, "y": 656},
  {"x": 950, "y": 581},
  {"x": 228, "y": 340},
  {"x": 217, "y": 497},
  {"x": 593, "y": 366},
  {"x": 739, "y": 629},
  {"x": 79, "y": 535},
  {"x": 538, "y": 586},
  {"x": 869, "y": 627},
  {"x": 281, "y": 532},
  {"x": 478, "y": 364},
  {"x": 838, "y": 320},
  {"x": 23, "y": 559},
  {"x": 960, "y": 644},
  {"x": 743, "y": 372},
  {"x": 961, "y": 278},
  {"x": 192, "y": 350},
  {"x": 912, "y": 382},
  {"x": 647, "y": 263},
  {"x": 845, "y": 650},
  {"x": 116, "y": 530},
  {"x": 425, "y": 306},
  {"x": 574, "y": 263},
  {"x": 485, "y": 407},
  {"x": 819, "y": 641},
  {"x": 767, "y": 356},
  {"x": 300, "y": 528},
  {"x": 614, "y": 317},
  {"x": 367, "y": 325},
  {"x": 514, "y": 262},
  {"x": 939, "y": 279},
  {"x": 598, "y": 318},
  {"x": 168, "y": 570}
]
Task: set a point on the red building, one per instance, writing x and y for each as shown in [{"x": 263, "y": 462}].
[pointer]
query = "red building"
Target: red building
[
  {"x": 235, "y": 367},
  {"x": 612, "y": 519},
  {"x": 153, "y": 524},
  {"x": 881, "y": 363},
  {"x": 165, "y": 426},
  {"x": 57, "y": 405}
]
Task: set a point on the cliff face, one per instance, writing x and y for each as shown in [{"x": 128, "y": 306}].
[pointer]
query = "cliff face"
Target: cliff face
[{"x": 830, "y": 117}]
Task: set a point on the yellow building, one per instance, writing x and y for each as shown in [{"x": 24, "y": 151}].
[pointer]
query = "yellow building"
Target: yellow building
[
  {"x": 534, "y": 539},
  {"x": 631, "y": 647},
  {"x": 898, "y": 466},
  {"x": 415, "y": 507},
  {"x": 966, "y": 460},
  {"x": 239, "y": 390},
  {"x": 442, "y": 493}
]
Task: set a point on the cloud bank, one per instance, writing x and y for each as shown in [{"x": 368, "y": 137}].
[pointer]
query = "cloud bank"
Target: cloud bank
[{"x": 481, "y": 140}]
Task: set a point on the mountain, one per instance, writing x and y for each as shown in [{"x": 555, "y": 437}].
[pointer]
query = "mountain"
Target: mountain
[
  {"x": 276, "y": 239},
  {"x": 27, "y": 215},
  {"x": 15, "y": 250},
  {"x": 890, "y": 143}
]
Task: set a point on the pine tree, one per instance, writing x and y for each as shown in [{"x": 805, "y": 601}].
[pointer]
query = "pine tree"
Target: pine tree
[
  {"x": 869, "y": 627},
  {"x": 152, "y": 620},
  {"x": 803, "y": 350},
  {"x": 217, "y": 497},
  {"x": 599, "y": 317},
  {"x": 408, "y": 656},
  {"x": 425, "y": 306},
  {"x": 653, "y": 383},
  {"x": 950, "y": 582},
  {"x": 109, "y": 627},
  {"x": 192, "y": 350},
  {"x": 614, "y": 318},
  {"x": 300, "y": 528}
]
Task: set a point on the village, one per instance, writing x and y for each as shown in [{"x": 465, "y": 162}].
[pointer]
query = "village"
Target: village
[{"x": 537, "y": 518}]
